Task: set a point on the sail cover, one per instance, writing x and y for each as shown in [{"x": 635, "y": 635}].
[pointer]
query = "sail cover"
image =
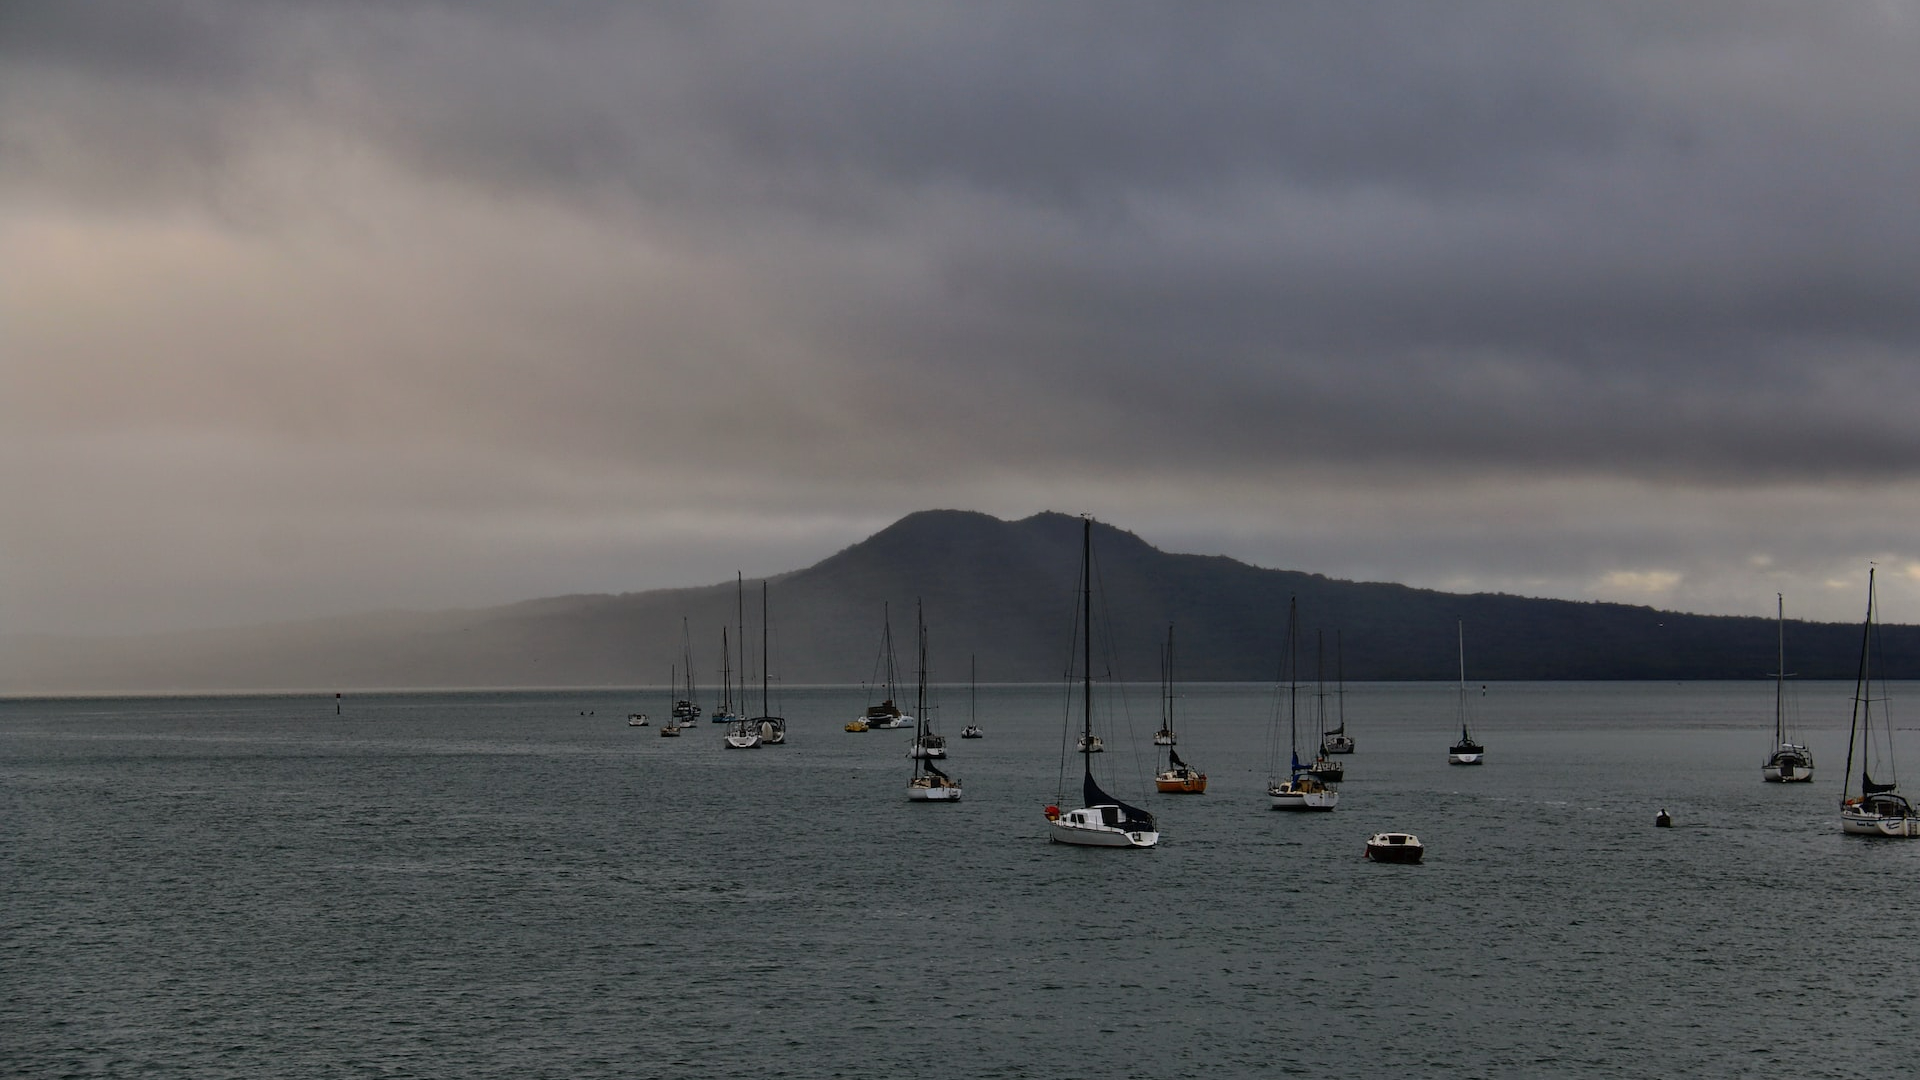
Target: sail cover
[
  {"x": 1868, "y": 787},
  {"x": 933, "y": 769},
  {"x": 1173, "y": 759},
  {"x": 1132, "y": 818}
]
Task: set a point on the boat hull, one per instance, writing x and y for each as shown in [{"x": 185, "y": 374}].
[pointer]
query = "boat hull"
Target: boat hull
[
  {"x": 1337, "y": 745},
  {"x": 1181, "y": 783},
  {"x": 1060, "y": 832},
  {"x": 1903, "y": 828},
  {"x": 927, "y": 752},
  {"x": 1787, "y": 774},
  {"x": 917, "y": 793},
  {"x": 1455, "y": 757},
  {"x": 1395, "y": 848},
  {"x": 743, "y": 742},
  {"x": 1296, "y": 797}
]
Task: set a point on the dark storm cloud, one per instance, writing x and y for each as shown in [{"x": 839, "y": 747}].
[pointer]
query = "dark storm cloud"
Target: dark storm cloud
[{"x": 1124, "y": 247}]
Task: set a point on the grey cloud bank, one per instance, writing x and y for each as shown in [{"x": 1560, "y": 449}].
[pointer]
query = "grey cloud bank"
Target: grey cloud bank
[{"x": 310, "y": 308}]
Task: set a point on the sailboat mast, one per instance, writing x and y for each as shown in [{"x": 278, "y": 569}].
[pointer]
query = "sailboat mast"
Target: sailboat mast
[
  {"x": 1780, "y": 671},
  {"x": 1460, "y": 630},
  {"x": 1293, "y": 680},
  {"x": 1169, "y": 676},
  {"x": 1086, "y": 645},
  {"x": 1340, "y": 678},
  {"x": 918, "y": 753},
  {"x": 740, "y": 620},
  {"x": 886, "y": 642},
  {"x": 763, "y": 648}
]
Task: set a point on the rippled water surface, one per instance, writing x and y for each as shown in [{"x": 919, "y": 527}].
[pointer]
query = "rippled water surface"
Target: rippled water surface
[{"x": 466, "y": 885}]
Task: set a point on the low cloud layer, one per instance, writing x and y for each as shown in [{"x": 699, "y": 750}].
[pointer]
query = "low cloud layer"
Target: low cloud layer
[{"x": 315, "y": 307}]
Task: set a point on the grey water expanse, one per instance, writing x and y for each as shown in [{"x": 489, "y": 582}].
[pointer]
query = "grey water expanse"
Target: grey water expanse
[{"x": 497, "y": 884}]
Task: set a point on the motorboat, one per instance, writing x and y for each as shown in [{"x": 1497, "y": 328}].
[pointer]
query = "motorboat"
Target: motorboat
[{"x": 1396, "y": 847}]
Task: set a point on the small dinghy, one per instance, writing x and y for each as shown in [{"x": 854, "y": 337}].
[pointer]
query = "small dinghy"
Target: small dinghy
[{"x": 1395, "y": 847}]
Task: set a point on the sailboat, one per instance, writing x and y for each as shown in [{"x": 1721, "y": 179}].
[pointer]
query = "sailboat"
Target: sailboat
[
  {"x": 1466, "y": 751},
  {"x": 771, "y": 729},
  {"x": 928, "y": 783},
  {"x": 685, "y": 710},
  {"x": 1790, "y": 762},
  {"x": 723, "y": 713},
  {"x": 1879, "y": 809},
  {"x": 1336, "y": 740},
  {"x": 972, "y": 730},
  {"x": 885, "y": 715},
  {"x": 927, "y": 743},
  {"x": 1165, "y": 736},
  {"x": 1301, "y": 790},
  {"x": 1178, "y": 777},
  {"x": 671, "y": 729},
  {"x": 1104, "y": 821},
  {"x": 1323, "y": 767}
]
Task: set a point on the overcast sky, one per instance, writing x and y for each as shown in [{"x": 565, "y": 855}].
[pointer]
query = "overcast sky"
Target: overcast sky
[{"x": 321, "y": 307}]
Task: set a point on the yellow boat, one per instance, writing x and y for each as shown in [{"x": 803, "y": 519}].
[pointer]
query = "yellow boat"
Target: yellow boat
[{"x": 857, "y": 725}]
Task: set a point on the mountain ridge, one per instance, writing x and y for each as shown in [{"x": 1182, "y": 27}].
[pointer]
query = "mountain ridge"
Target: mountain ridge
[{"x": 1002, "y": 591}]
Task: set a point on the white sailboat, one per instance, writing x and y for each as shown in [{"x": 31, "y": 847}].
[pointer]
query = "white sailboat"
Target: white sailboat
[
  {"x": 1879, "y": 809},
  {"x": 928, "y": 783},
  {"x": 1790, "y": 762},
  {"x": 1104, "y": 821},
  {"x": 771, "y": 729},
  {"x": 1301, "y": 790},
  {"x": 1466, "y": 751}
]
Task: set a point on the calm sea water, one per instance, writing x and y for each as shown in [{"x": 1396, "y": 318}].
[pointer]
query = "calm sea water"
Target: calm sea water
[{"x": 469, "y": 885}]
